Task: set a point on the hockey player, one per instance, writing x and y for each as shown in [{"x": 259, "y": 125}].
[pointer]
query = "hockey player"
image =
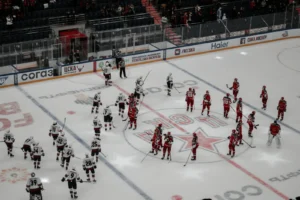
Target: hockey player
[
  {"x": 121, "y": 100},
  {"x": 206, "y": 103},
  {"x": 139, "y": 81},
  {"x": 138, "y": 92},
  {"x": 190, "y": 99},
  {"x": 132, "y": 114},
  {"x": 157, "y": 139},
  {"x": 34, "y": 187},
  {"x": 36, "y": 154},
  {"x": 170, "y": 83},
  {"x": 61, "y": 141},
  {"x": 72, "y": 177},
  {"x": 167, "y": 145},
  {"x": 9, "y": 140},
  {"x": 264, "y": 97},
  {"x": 107, "y": 73},
  {"x": 95, "y": 148},
  {"x": 274, "y": 132},
  {"x": 281, "y": 108},
  {"x": 235, "y": 87},
  {"x": 195, "y": 146},
  {"x": 107, "y": 117},
  {"x": 239, "y": 131},
  {"x": 54, "y": 131},
  {"x": 239, "y": 110},
  {"x": 97, "y": 126},
  {"x": 89, "y": 166},
  {"x": 66, "y": 156},
  {"x": 27, "y": 146},
  {"x": 232, "y": 143},
  {"x": 226, "y": 104},
  {"x": 96, "y": 102},
  {"x": 250, "y": 121}
]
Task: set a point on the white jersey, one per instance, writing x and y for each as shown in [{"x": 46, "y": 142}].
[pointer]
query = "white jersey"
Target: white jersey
[
  {"x": 37, "y": 151},
  {"x": 107, "y": 111},
  {"x": 55, "y": 129},
  {"x": 121, "y": 99},
  {"x": 34, "y": 183},
  {"x": 29, "y": 142},
  {"x": 61, "y": 141},
  {"x": 9, "y": 138},
  {"x": 170, "y": 79},
  {"x": 88, "y": 163},
  {"x": 67, "y": 152},
  {"x": 95, "y": 144},
  {"x": 97, "y": 98},
  {"x": 107, "y": 70},
  {"x": 97, "y": 123},
  {"x": 72, "y": 176},
  {"x": 139, "y": 90},
  {"x": 139, "y": 82}
]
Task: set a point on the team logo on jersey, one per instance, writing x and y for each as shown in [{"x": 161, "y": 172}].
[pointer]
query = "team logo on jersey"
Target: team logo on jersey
[
  {"x": 14, "y": 175},
  {"x": 212, "y": 133}
]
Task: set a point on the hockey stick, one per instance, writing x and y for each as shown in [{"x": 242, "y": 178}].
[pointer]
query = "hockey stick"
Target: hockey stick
[
  {"x": 188, "y": 159},
  {"x": 103, "y": 154},
  {"x": 177, "y": 90},
  {"x": 147, "y": 76},
  {"x": 77, "y": 157},
  {"x": 125, "y": 119},
  {"x": 170, "y": 158},
  {"x": 228, "y": 87},
  {"x": 145, "y": 156},
  {"x": 249, "y": 144}
]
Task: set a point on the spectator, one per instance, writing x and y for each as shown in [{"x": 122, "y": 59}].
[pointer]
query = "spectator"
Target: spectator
[
  {"x": 219, "y": 14},
  {"x": 77, "y": 56},
  {"x": 197, "y": 8},
  {"x": 132, "y": 11},
  {"x": 119, "y": 10},
  {"x": 224, "y": 18},
  {"x": 252, "y": 5},
  {"x": 9, "y": 22},
  {"x": 164, "y": 22}
]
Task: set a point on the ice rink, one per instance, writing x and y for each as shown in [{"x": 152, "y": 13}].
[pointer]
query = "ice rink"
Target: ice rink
[{"x": 261, "y": 173}]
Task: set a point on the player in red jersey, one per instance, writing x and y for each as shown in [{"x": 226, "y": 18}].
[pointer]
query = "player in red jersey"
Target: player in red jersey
[
  {"x": 167, "y": 145},
  {"x": 281, "y": 108},
  {"x": 195, "y": 145},
  {"x": 131, "y": 101},
  {"x": 206, "y": 103},
  {"x": 157, "y": 139},
  {"x": 239, "y": 110},
  {"x": 239, "y": 133},
  {"x": 232, "y": 143},
  {"x": 250, "y": 121},
  {"x": 235, "y": 87},
  {"x": 226, "y": 104},
  {"x": 190, "y": 99},
  {"x": 132, "y": 114},
  {"x": 264, "y": 97},
  {"x": 274, "y": 132}
]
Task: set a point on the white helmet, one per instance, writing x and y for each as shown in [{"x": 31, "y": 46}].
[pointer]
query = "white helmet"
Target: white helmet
[
  {"x": 70, "y": 146},
  {"x": 87, "y": 155},
  {"x": 37, "y": 144},
  {"x": 55, "y": 123},
  {"x": 170, "y": 74},
  {"x": 99, "y": 93},
  {"x": 31, "y": 137},
  {"x": 32, "y": 174},
  {"x": 141, "y": 78},
  {"x": 62, "y": 134},
  {"x": 107, "y": 106},
  {"x": 8, "y": 131},
  {"x": 121, "y": 94}
]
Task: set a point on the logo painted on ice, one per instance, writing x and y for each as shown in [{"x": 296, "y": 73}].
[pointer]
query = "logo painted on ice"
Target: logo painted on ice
[
  {"x": 3, "y": 79},
  {"x": 14, "y": 175}
]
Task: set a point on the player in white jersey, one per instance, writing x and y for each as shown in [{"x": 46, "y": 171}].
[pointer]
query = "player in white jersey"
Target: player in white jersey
[
  {"x": 137, "y": 93},
  {"x": 95, "y": 148},
  {"x": 89, "y": 166},
  {"x": 107, "y": 73},
  {"x": 61, "y": 141},
  {"x": 139, "y": 81},
  {"x": 97, "y": 126},
  {"x": 107, "y": 117},
  {"x": 9, "y": 140},
  {"x": 34, "y": 186},
  {"x": 36, "y": 155},
  {"x": 66, "y": 156},
  {"x": 96, "y": 102},
  {"x": 55, "y": 129},
  {"x": 170, "y": 83},
  {"x": 27, "y": 146},
  {"x": 72, "y": 177},
  {"x": 121, "y": 100}
]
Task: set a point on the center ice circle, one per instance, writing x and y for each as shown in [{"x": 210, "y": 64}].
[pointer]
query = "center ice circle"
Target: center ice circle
[
  {"x": 290, "y": 58},
  {"x": 212, "y": 134}
]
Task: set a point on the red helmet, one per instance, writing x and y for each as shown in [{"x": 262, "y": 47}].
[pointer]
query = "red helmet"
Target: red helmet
[
  {"x": 190, "y": 89},
  {"x": 207, "y": 92},
  {"x": 233, "y": 130},
  {"x": 169, "y": 133},
  {"x": 235, "y": 79},
  {"x": 264, "y": 87},
  {"x": 159, "y": 125},
  {"x": 253, "y": 112},
  {"x": 282, "y": 98},
  {"x": 228, "y": 94},
  {"x": 194, "y": 134},
  {"x": 240, "y": 99}
]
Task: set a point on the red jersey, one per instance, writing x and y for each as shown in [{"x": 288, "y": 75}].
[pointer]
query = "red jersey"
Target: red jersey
[
  {"x": 251, "y": 118},
  {"x": 233, "y": 139},
  {"x": 282, "y": 105},
  {"x": 239, "y": 107},
  {"x": 239, "y": 128},
  {"x": 190, "y": 95},
  {"x": 206, "y": 99},
  {"x": 226, "y": 101},
  {"x": 264, "y": 94},
  {"x": 168, "y": 140},
  {"x": 275, "y": 129},
  {"x": 235, "y": 85},
  {"x": 132, "y": 112},
  {"x": 195, "y": 140}
]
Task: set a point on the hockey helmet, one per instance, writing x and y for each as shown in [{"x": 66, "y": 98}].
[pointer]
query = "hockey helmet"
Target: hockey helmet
[
  {"x": 8, "y": 131},
  {"x": 32, "y": 174},
  {"x": 121, "y": 94},
  {"x": 70, "y": 145},
  {"x": 96, "y": 117},
  {"x": 160, "y": 125},
  {"x": 282, "y": 98},
  {"x": 275, "y": 121},
  {"x": 233, "y": 130},
  {"x": 190, "y": 89},
  {"x": 99, "y": 93},
  {"x": 37, "y": 144},
  {"x": 240, "y": 99},
  {"x": 73, "y": 168},
  {"x": 62, "y": 134},
  {"x": 253, "y": 112},
  {"x": 170, "y": 74},
  {"x": 194, "y": 134},
  {"x": 169, "y": 133},
  {"x": 31, "y": 137},
  {"x": 264, "y": 87},
  {"x": 86, "y": 155},
  {"x": 141, "y": 78},
  {"x": 235, "y": 79},
  {"x": 55, "y": 123},
  {"x": 66, "y": 146},
  {"x": 207, "y": 92},
  {"x": 228, "y": 94},
  {"x": 107, "y": 107}
]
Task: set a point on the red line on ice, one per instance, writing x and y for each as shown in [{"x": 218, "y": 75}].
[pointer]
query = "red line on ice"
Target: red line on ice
[{"x": 222, "y": 156}]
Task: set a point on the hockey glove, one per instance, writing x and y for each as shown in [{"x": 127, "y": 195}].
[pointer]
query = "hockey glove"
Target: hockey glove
[
  {"x": 73, "y": 155},
  {"x": 95, "y": 167},
  {"x": 50, "y": 134},
  {"x": 84, "y": 168},
  {"x": 81, "y": 181},
  {"x": 143, "y": 94},
  {"x": 127, "y": 103},
  {"x": 100, "y": 104},
  {"x": 115, "y": 104},
  {"x": 100, "y": 150},
  {"x": 27, "y": 189},
  {"x": 43, "y": 154},
  {"x": 277, "y": 107},
  {"x": 63, "y": 180},
  {"x": 284, "y": 110}
]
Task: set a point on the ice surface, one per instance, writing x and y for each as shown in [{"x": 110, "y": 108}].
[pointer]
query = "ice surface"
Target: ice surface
[{"x": 261, "y": 173}]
